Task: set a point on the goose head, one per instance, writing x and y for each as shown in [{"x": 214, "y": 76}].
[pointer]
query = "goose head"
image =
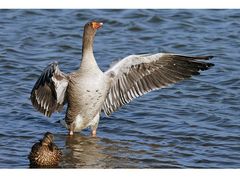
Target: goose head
[{"x": 89, "y": 32}]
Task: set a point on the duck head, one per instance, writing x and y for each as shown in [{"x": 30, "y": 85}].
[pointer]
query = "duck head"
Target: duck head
[{"x": 47, "y": 139}]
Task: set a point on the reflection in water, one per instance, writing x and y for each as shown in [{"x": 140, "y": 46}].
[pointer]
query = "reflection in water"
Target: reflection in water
[
  {"x": 88, "y": 152},
  {"x": 83, "y": 151}
]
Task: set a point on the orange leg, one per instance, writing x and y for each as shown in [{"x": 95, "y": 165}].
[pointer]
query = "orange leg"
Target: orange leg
[
  {"x": 70, "y": 132},
  {"x": 94, "y": 133}
]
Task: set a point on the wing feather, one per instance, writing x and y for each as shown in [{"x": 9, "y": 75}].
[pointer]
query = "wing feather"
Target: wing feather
[
  {"x": 136, "y": 75},
  {"x": 48, "y": 93}
]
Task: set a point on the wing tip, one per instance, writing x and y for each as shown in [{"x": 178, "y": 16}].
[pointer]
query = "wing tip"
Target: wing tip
[
  {"x": 211, "y": 64},
  {"x": 203, "y": 57},
  {"x": 210, "y": 57},
  {"x": 39, "y": 108}
]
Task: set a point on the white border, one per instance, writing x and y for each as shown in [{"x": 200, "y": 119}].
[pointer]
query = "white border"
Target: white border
[
  {"x": 122, "y": 173},
  {"x": 112, "y": 4},
  {"x": 119, "y": 4}
]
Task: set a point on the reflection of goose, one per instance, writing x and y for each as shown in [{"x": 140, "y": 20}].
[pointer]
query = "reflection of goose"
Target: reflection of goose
[
  {"x": 45, "y": 153},
  {"x": 84, "y": 152},
  {"x": 89, "y": 90},
  {"x": 93, "y": 152}
]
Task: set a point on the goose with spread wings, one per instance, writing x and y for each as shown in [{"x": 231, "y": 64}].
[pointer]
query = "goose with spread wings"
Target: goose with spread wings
[{"x": 88, "y": 91}]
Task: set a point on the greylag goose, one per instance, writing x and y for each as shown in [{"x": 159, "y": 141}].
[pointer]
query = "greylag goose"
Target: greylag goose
[
  {"x": 88, "y": 90},
  {"x": 45, "y": 153}
]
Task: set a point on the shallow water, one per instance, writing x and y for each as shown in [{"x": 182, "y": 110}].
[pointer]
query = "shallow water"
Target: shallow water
[{"x": 192, "y": 124}]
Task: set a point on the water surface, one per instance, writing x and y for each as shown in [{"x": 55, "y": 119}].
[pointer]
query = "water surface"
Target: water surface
[{"x": 192, "y": 124}]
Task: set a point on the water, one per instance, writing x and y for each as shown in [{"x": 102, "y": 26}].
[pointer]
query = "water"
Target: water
[{"x": 192, "y": 124}]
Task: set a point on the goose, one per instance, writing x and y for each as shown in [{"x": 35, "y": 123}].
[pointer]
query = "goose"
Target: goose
[
  {"x": 45, "y": 153},
  {"x": 88, "y": 91}
]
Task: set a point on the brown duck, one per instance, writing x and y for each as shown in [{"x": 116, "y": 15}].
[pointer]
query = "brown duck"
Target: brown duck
[{"x": 45, "y": 153}]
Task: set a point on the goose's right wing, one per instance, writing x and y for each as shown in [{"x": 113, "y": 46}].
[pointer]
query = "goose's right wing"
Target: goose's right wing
[{"x": 48, "y": 93}]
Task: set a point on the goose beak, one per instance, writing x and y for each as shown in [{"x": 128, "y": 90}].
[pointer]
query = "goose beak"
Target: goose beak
[{"x": 97, "y": 25}]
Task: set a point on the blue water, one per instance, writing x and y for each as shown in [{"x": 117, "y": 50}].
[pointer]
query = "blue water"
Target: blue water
[{"x": 192, "y": 124}]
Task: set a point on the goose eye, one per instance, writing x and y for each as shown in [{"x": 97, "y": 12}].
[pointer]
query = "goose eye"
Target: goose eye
[{"x": 88, "y": 24}]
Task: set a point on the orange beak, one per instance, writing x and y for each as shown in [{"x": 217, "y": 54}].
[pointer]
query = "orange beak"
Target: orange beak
[{"x": 97, "y": 25}]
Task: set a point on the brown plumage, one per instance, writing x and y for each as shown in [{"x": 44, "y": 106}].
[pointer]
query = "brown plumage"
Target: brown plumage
[{"x": 45, "y": 153}]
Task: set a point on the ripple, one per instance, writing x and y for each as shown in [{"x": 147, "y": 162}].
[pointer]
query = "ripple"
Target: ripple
[
  {"x": 135, "y": 28},
  {"x": 193, "y": 124}
]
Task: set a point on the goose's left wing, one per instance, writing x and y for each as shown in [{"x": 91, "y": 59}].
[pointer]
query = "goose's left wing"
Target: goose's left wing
[{"x": 136, "y": 75}]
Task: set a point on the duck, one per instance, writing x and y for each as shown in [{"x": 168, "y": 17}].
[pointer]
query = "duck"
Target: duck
[
  {"x": 45, "y": 153},
  {"x": 88, "y": 91}
]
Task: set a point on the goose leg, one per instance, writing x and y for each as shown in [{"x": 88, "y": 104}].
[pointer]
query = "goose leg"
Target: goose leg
[
  {"x": 94, "y": 125},
  {"x": 70, "y": 132},
  {"x": 94, "y": 133},
  {"x": 71, "y": 129}
]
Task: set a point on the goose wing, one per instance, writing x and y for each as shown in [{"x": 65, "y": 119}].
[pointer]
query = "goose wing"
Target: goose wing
[
  {"x": 136, "y": 75},
  {"x": 48, "y": 93}
]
